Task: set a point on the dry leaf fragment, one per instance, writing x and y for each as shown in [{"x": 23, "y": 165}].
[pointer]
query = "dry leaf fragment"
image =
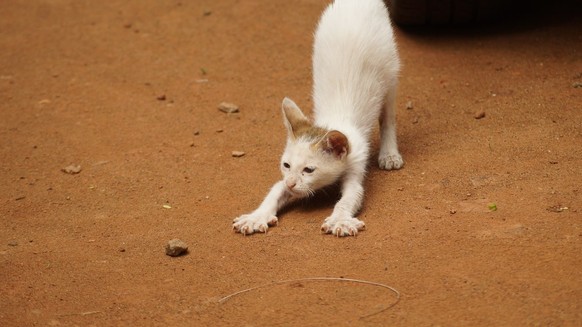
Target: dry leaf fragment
[{"x": 557, "y": 208}]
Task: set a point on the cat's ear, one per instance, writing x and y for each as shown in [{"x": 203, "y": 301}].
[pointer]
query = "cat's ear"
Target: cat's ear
[
  {"x": 294, "y": 119},
  {"x": 335, "y": 143}
]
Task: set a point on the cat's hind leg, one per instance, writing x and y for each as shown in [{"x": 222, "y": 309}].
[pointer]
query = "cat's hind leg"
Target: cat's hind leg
[{"x": 389, "y": 157}]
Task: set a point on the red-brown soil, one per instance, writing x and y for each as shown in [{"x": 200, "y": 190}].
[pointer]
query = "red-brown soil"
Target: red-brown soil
[{"x": 129, "y": 90}]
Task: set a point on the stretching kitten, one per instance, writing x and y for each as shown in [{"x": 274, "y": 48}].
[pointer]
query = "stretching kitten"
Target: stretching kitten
[{"x": 355, "y": 73}]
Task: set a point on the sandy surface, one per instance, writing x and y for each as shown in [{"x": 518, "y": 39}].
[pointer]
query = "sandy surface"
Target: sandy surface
[{"x": 129, "y": 91}]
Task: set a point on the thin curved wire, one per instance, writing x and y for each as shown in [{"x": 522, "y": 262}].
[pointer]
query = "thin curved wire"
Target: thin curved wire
[{"x": 360, "y": 281}]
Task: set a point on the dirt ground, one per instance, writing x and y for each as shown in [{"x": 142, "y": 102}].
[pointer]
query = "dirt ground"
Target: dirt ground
[{"x": 129, "y": 91}]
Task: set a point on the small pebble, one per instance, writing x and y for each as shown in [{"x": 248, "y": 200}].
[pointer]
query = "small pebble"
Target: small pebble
[
  {"x": 479, "y": 114},
  {"x": 161, "y": 97},
  {"x": 13, "y": 243},
  {"x": 176, "y": 248},
  {"x": 72, "y": 169},
  {"x": 577, "y": 85},
  {"x": 237, "y": 154},
  {"x": 228, "y": 108},
  {"x": 409, "y": 105}
]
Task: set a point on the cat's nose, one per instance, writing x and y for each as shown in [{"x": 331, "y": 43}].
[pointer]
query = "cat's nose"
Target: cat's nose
[{"x": 291, "y": 183}]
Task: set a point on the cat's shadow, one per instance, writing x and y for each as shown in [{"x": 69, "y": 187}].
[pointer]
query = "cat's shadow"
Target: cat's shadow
[
  {"x": 323, "y": 199},
  {"x": 326, "y": 198}
]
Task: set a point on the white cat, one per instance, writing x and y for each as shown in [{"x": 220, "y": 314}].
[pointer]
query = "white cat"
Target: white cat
[{"x": 355, "y": 73}]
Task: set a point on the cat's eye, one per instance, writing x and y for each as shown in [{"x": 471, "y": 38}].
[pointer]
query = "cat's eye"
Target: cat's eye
[
  {"x": 308, "y": 170},
  {"x": 286, "y": 165}
]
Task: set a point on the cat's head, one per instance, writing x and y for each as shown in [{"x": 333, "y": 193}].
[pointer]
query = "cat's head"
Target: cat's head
[{"x": 314, "y": 157}]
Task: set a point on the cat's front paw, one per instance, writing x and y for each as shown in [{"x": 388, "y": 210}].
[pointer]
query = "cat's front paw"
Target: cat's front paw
[
  {"x": 342, "y": 226},
  {"x": 390, "y": 161},
  {"x": 253, "y": 222}
]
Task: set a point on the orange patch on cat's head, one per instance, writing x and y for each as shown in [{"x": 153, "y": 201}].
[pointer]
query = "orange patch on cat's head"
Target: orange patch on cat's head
[{"x": 298, "y": 125}]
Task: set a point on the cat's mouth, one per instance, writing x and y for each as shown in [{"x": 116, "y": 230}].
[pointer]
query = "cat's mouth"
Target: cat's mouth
[
  {"x": 294, "y": 192},
  {"x": 300, "y": 193}
]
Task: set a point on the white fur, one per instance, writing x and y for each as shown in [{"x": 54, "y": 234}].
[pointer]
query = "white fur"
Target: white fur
[{"x": 355, "y": 72}]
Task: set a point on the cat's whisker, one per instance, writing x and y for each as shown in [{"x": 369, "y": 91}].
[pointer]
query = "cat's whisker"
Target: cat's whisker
[{"x": 310, "y": 192}]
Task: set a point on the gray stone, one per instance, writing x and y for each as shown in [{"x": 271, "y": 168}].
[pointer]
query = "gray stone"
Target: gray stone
[{"x": 176, "y": 248}]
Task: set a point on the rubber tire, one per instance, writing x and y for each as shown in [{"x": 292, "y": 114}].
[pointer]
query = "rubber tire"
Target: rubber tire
[{"x": 442, "y": 12}]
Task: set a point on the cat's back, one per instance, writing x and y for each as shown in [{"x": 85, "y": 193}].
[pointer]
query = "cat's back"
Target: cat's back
[
  {"x": 354, "y": 52},
  {"x": 355, "y": 27},
  {"x": 347, "y": 11}
]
